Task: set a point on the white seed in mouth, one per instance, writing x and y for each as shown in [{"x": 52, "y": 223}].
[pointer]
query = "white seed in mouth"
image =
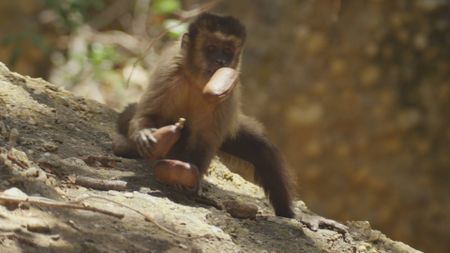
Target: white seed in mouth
[{"x": 221, "y": 83}]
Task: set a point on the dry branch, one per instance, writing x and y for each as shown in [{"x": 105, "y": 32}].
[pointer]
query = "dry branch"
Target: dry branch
[
  {"x": 146, "y": 217},
  {"x": 101, "y": 184},
  {"x": 54, "y": 203}
]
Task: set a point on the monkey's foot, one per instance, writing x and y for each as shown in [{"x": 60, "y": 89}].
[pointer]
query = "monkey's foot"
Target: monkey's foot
[
  {"x": 145, "y": 142},
  {"x": 316, "y": 222},
  {"x": 177, "y": 173}
]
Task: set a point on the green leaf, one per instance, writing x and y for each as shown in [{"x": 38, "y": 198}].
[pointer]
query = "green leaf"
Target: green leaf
[
  {"x": 102, "y": 57},
  {"x": 166, "y": 6}
]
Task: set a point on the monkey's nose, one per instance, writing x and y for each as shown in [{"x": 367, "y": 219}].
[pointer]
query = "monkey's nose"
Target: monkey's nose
[{"x": 221, "y": 62}]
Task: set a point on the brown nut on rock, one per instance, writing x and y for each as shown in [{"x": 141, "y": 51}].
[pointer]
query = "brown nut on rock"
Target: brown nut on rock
[
  {"x": 166, "y": 136},
  {"x": 241, "y": 210},
  {"x": 221, "y": 84},
  {"x": 174, "y": 172}
]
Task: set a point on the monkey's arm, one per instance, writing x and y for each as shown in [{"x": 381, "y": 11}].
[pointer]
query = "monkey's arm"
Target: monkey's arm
[
  {"x": 252, "y": 145},
  {"x": 134, "y": 138}
]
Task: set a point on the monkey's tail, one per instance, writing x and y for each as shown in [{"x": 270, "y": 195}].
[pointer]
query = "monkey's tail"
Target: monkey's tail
[{"x": 251, "y": 145}]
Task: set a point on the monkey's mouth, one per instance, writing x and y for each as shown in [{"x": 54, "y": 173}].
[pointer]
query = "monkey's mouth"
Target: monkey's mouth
[
  {"x": 209, "y": 72},
  {"x": 212, "y": 69}
]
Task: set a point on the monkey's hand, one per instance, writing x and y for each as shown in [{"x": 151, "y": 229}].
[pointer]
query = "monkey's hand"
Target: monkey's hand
[
  {"x": 155, "y": 143},
  {"x": 145, "y": 143}
]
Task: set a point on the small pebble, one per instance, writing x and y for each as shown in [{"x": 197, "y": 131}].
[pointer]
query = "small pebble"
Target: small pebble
[
  {"x": 55, "y": 237},
  {"x": 128, "y": 195},
  {"x": 15, "y": 192},
  {"x": 3, "y": 129},
  {"x": 113, "y": 192},
  {"x": 32, "y": 122},
  {"x": 49, "y": 147},
  {"x": 37, "y": 91},
  {"x": 38, "y": 226},
  {"x": 32, "y": 172},
  {"x": 240, "y": 210},
  {"x": 50, "y": 181},
  {"x": 13, "y": 136}
]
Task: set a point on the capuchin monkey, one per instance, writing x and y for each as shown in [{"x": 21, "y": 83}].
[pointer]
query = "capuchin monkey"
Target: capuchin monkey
[{"x": 175, "y": 91}]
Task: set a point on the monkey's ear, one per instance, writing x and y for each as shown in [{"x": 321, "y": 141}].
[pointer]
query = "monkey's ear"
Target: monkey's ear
[{"x": 184, "y": 41}]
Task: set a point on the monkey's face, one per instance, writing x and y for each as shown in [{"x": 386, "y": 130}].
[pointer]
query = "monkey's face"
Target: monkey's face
[
  {"x": 217, "y": 54},
  {"x": 214, "y": 51},
  {"x": 212, "y": 42}
]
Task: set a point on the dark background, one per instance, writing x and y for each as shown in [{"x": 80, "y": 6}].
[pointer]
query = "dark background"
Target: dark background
[{"x": 355, "y": 93}]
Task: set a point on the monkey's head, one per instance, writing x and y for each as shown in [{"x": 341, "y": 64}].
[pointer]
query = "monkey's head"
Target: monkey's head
[{"x": 212, "y": 42}]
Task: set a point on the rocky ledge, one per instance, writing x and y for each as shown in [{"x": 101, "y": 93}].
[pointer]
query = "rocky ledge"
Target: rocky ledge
[{"x": 50, "y": 140}]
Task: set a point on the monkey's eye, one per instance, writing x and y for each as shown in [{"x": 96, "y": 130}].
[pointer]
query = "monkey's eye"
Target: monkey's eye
[{"x": 211, "y": 48}]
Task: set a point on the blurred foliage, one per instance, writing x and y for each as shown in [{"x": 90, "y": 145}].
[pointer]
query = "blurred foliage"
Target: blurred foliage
[
  {"x": 166, "y": 6},
  {"x": 175, "y": 28},
  {"x": 94, "y": 60},
  {"x": 355, "y": 93},
  {"x": 72, "y": 13},
  {"x": 68, "y": 15},
  {"x": 102, "y": 56},
  {"x": 15, "y": 41}
]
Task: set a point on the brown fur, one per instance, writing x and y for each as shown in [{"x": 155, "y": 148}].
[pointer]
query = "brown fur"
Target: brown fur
[
  {"x": 175, "y": 91},
  {"x": 173, "y": 95}
]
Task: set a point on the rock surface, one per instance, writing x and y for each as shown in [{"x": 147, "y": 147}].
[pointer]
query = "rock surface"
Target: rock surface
[{"x": 57, "y": 135}]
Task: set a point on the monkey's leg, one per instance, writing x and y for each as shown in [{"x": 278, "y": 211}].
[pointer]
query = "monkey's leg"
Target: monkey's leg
[
  {"x": 123, "y": 121},
  {"x": 251, "y": 145},
  {"x": 121, "y": 145},
  {"x": 200, "y": 156}
]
